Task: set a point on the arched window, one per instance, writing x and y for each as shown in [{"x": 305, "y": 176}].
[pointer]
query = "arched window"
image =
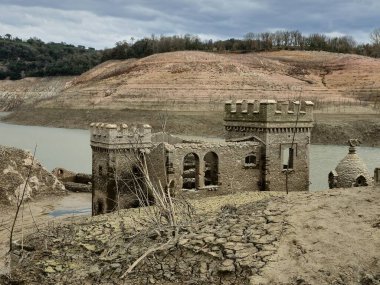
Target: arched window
[
  {"x": 211, "y": 169},
  {"x": 190, "y": 171},
  {"x": 250, "y": 160}
]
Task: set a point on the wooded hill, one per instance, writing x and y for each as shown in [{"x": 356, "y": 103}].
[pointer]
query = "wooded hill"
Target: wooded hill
[{"x": 34, "y": 58}]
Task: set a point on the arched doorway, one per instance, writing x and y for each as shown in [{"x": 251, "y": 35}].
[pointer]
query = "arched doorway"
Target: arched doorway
[
  {"x": 190, "y": 171},
  {"x": 360, "y": 181},
  {"x": 211, "y": 169}
]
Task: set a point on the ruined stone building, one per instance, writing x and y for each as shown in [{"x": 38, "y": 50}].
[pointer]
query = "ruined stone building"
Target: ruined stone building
[
  {"x": 266, "y": 144},
  {"x": 351, "y": 171}
]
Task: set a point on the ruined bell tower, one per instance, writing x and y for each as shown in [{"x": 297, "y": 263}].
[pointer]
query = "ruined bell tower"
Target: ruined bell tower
[
  {"x": 116, "y": 153},
  {"x": 284, "y": 130}
]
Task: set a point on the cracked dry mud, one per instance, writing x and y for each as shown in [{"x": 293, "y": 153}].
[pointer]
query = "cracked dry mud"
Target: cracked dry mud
[{"x": 330, "y": 237}]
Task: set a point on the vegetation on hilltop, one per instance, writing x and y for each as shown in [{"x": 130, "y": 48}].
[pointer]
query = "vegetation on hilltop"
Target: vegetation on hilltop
[
  {"x": 279, "y": 40},
  {"x": 34, "y": 58},
  {"x": 24, "y": 58}
]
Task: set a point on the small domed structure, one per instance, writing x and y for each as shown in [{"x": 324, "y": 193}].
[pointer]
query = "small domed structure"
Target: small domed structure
[{"x": 351, "y": 171}]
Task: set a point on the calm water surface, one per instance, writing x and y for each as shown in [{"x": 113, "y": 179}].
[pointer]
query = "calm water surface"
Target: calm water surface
[
  {"x": 56, "y": 147},
  {"x": 70, "y": 148}
]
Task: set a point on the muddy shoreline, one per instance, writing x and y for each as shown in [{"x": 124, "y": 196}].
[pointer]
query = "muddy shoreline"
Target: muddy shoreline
[
  {"x": 38, "y": 214},
  {"x": 330, "y": 128}
]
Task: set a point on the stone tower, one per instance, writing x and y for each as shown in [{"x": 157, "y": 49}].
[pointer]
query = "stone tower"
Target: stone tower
[
  {"x": 116, "y": 152},
  {"x": 284, "y": 130}
]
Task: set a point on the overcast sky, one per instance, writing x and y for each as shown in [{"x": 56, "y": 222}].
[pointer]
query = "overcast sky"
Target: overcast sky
[{"x": 101, "y": 23}]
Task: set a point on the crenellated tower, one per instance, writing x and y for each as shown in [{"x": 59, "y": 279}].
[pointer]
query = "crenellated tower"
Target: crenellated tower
[
  {"x": 284, "y": 129},
  {"x": 116, "y": 153}
]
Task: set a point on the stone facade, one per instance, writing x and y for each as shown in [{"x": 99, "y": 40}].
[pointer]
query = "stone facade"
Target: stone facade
[
  {"x": 267, "y": 144},
  {"x": 376, "y": 176},
  {"x": 284, "y": 131}
]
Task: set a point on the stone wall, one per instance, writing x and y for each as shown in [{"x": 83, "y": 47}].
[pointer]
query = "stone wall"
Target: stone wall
[
  {"x": 264, "y": 132},
  {"x": 278, "y": 126},
  {"x": 100, "y": 164},
  {"x": 116, "y": 136},
  {"x": 115, "y": 155},
  {"x": 377, "y": 176},
  {"x": 233, "y": 174},
  {"x": 298, "y": 175},
  {"x": 116, "y": 179}
]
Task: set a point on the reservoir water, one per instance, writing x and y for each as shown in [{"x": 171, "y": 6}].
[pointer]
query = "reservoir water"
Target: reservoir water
[{"x": 70, "y": 148}]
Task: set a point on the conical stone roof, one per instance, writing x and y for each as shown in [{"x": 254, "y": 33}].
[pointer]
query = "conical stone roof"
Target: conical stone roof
[{"x": 350, "y": 168}]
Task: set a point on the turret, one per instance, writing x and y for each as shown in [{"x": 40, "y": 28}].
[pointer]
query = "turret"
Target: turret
[
  {"x": 120, "y": 136},
  {"x": 268, "y": 110}
]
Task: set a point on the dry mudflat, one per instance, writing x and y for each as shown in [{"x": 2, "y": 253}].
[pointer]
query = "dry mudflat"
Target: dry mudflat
[
  {"x": 35, "y": 216},
  {"x": 326, "y": 237}
]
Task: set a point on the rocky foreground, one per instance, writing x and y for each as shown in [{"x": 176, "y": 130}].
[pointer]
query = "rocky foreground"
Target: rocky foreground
[
  {"x": 15, "y": 167},
  {"x": 328, "y": 237}
]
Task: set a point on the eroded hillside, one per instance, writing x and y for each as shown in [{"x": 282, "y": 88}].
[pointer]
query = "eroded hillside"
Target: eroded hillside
[
  {"x": 15, "y": 93},
  {"x": 180, "y": 80},
  {"x": 198, "y": 80}
]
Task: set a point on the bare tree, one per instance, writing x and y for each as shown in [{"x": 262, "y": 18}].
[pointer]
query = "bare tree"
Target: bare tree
[{"x": 375, "y": 36}]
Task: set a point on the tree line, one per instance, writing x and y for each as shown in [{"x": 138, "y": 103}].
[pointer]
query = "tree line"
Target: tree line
[
  {"x": 33, "y": 57},
  {"x": 252, "y": 42}
]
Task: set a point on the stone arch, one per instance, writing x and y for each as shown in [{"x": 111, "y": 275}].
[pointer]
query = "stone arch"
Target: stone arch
[
  {"x": 190, "y": 175},
  {"x": 360, "y": 181},
  {"x": 211, "y": 169}
]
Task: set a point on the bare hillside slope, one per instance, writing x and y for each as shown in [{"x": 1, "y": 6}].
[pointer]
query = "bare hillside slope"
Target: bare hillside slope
[
  {"x": 14, "y": 93},
  {"x": 179, "y": 80},
  {"x": 201, "y": 81}
]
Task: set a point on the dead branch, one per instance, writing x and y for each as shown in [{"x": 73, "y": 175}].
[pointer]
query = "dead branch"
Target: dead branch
[
  {"x": 20, "y": 202},
  {"x": 164, "y": 246}
]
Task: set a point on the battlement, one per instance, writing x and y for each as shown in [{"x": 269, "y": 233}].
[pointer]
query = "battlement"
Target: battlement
[
  {"x": 268, "y": 111},
  {"x": 118, "y": 136}
]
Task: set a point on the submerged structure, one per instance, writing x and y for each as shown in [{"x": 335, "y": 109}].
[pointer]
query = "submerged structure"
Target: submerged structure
[
  {"x": 351, "y": 170},
  {"x": 266, "y": 148}
]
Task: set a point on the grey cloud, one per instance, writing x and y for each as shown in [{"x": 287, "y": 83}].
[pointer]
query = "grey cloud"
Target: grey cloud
[{"x": 117, "y": 19}]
